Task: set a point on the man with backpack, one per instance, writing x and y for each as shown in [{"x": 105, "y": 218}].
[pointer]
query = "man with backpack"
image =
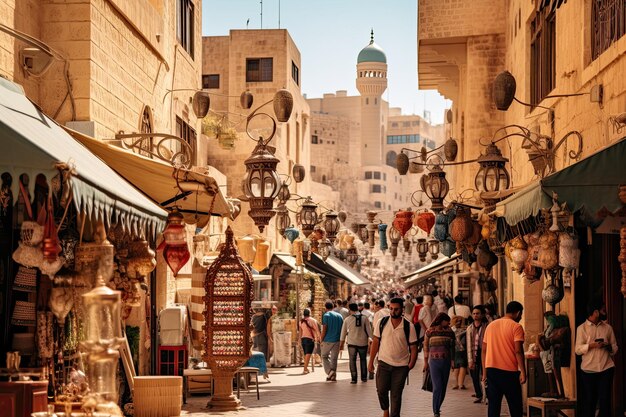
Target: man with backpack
[
  {"x": 331, "y": 332},
  {"x": 395, "y": 343},
  {"x": 358, "y": 330}
]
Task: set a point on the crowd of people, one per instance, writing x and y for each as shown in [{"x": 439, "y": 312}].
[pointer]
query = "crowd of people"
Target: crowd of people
[{"x": 455, "y": 339}]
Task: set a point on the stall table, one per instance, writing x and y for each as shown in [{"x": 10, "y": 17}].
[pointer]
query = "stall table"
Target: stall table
[{"x": 548, "y": 405}]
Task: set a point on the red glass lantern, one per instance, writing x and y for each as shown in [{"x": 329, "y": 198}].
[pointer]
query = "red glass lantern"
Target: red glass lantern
[
  {"x": 403, "y": 221},
  {"x": 425, "y": 221},
  {"x": 174, "y": 245}
]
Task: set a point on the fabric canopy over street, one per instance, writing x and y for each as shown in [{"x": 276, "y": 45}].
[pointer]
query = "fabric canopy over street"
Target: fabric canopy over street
[
  {"x": 198, "y": 196},
  {"x": 335, "y": 268},
  {"x": 589, "y": 185},
  {"x": 422, "y": 274},
  {"x": 287, "y": 260},
  {"x": 33, "y": 143}
]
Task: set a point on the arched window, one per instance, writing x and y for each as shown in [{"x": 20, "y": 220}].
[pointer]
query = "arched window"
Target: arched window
[
  {"x": 391, "y": 158},
  {"x": 146, "y": 127}
]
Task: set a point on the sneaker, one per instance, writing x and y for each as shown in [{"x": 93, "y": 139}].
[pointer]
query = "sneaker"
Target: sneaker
[{"x": 353, "y": 382}]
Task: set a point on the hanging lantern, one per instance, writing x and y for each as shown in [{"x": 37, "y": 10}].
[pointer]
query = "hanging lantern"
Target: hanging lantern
[
  {"x": 363, "y": 235},
  {"x": 283, "y": 221},
  {"x": 394, "y": 237},
  {"x": 518, "y": 253},
  {"x": 504, "y": 87},
  {"x": 371, "y": 235},
  {"x": 298, "y": 173},
  {"x": 324, "y": 248},
  {"x": 291, "y": 233},
  {"x": 246, "y": 99},
  {"x": 403, "y": 221},
  {"x": 371, "y": 216},
  {"x": 425, "y": 220},
  {"x": 261, "y": 258},
  {"x": 200, "y": 103},
  {"x": 174, "y": 245},
  {"x": 331, "y": 225},
  {"x": 422, "y": 248},
  {"x": 569, "y": 254},
  {"x": 402, "y": 163},
  {"x": 450, "y": 149},
  {"x": 343, "y": 216},
  {"x": 261, "y": 184},
  {"x": 492, "y": 175},
  {"x": 308, "y": 216},
  {"x": 352, "y": 256},
  {"x": 448, "y": 248},
  {"x": 382, "y": 237},
  {"x": 486, "y": 258},
  {"x": 433, "y": 248},
  {"x": 283, "y": 105},
  {"x": 436, "y": 187},
  {"x": 406, "y": 241},
  {"x": 102, "y": 307},
  {"x": 461, "y": 228},
  {"x": 355, "y": 228},
  {"x": 246, "y": 248},
  {"x": 283, "y": 193}
]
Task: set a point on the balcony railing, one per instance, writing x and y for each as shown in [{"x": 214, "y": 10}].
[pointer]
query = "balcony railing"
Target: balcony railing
[{"x": 608, "y": 24}]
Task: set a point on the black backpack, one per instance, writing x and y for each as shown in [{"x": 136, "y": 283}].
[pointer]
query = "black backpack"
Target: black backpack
[{"x": 407, "y": 327}]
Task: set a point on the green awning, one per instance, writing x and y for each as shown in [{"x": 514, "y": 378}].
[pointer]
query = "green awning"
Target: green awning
[
  {"x": 32, "y": 143},
  {"x": 587, "y": 186}
]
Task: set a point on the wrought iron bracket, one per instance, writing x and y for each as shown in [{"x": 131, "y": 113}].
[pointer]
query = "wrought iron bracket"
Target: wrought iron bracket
[{"x": 142, "y": 143}]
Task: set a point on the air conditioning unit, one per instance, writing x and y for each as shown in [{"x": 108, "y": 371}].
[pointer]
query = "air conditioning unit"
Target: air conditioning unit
[{"x": 35, "y": 61}]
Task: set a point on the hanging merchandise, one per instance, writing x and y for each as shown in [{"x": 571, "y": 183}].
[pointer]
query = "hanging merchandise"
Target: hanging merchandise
[
  {"x": 547, "y": 257},
  {"x": 141, "y": 259},
  {"x": 569, "y": 254},
  {"x": 382, "y": 237},
  {"x": 291, "y": 233},
  {"x": 45, "y": 340},
  {"x": 23, "y": 314},
  {"x": 622, "y": 256},
  {"x": 174, "y": 245},
  {"x": 61, "y": 302},
  {"x": 29, "y": 252},
  {"x": 441, "y": 226},
  {"x": 403, "y": 221},
  {"x": 518, "y": 253},
  {"x": 485, "y": 257},
  {"x": 247, "y": 251},
  {"x": 262, "y": 257},
  {"x": 90, "y": 258},
  {"x": 553, "y": 293},
  {"x": 425, "y": 220},
  {"x": 461, "y": 227},
  {"x": 25, "y": 279},
  {"x": 448, "y": 247}
]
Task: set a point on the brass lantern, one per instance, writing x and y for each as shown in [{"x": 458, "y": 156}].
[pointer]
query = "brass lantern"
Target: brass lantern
[
  {"x": 331, "y": 225},
  {"x": 283, "y": 193},
  {"x": 436, "y": 187},
  {"x": 422, "y": 248},
  {"x": 324, "y": 248},
  {"x": 394, "y": 237},
  {"x": 261, "y": 184},
  {"x": 433, "y": 248},
  {"x": 283, "y": 221},
  {"x": 308, "y": 216},
  {"x": 492, "y": 175}
]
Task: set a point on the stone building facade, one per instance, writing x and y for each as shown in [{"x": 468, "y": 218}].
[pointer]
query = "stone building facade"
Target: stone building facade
[{"x": 464, "y": 44}]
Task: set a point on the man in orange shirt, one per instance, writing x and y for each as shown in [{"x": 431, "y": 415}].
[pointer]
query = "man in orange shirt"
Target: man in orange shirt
[{"x": 504, "y": 369}]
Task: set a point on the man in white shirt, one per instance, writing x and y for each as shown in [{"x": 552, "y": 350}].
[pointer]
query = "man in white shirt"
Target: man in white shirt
[
  {"x": 427, "y": 313},
  {"x": 459, "y": 309},
  {"x": 396, "y": 347},
  {"x": 438, "y": 302},
  {"x": 595, "y": 342}
]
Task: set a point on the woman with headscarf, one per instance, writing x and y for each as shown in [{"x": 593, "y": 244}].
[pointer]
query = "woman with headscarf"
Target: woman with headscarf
[{"x": 439, "y": 343}]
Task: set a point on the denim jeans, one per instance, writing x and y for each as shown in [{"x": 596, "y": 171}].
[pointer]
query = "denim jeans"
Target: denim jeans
[
  {"x": 597, "y": 392},
  {"x": 362, "y": 352},
  {"x": 390, "y": 378},
  {"x": 330, "y": 353},
  {"x": 504, "y": 383},
  {"x": 440, "y": 373}
]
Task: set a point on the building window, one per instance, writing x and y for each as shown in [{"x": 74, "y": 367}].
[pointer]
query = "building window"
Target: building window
[
  {"x": 312, "y": 169},
  {"x": 368, "y": 175},
  {"x": 378, "y": 204},
  {"x": 185, "y": 24},
  {"x": 211, "y": 81},
  {"x": 542, "y": 55},
  {"x": 295, "y": 73},
  {"x": 259, "y": 69},
  {"x": 608, "y": 24},
  {"x": 186, "y": 133},
  {"x": 367, "y": 101},
  {"x": 376, "y": 175},
  {"x": 377, "y": 188},
  {"x": 384, "y": 176},
  {"x": 394, "y": 124},
  {"x": 314, "y": 139},
  {"x": 391, "y": 158}
]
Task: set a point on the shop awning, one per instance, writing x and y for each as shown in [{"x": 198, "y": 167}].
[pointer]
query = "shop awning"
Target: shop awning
[
  {"x": 333, "y": 267},
  {"x": 422, "y": 274},
  {"x": 201, "y": 195},
  {"x": 287, "y": 260},
  {"x": 32, "y": 143},
  {"x": 588, "y": 185}
]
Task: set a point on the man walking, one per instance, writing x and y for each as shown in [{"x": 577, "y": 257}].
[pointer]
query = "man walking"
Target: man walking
[
  {"x": 504, "y": 369},
  {"x": 331, "y": 332},
  {"x": 395, "y": 342},
  {"x": 475, "y": 335},
  {"x": 595, "y": 342},
  {"x": 381, "y": 311},
  {"x": 339, "y": 308},
  {"x": 358, "y": 330}
]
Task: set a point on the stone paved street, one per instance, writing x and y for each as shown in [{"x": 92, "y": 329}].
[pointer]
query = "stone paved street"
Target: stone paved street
[{"x": 293, "y": 394}]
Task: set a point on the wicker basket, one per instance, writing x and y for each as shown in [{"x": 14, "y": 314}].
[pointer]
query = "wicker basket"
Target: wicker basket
[{"x": 158, "y": 396}]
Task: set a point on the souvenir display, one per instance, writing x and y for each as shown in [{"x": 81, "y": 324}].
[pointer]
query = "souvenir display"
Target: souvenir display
[
  {"x": 25, "y": 279},
  {"x": 174, "y": 245}
]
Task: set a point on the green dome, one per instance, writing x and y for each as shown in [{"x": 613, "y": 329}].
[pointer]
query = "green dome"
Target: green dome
[{"x": 372, "y": 53}]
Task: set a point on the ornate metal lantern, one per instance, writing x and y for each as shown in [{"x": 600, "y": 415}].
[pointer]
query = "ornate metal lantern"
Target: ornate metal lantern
[
  {"x": 331, "y": 225},
  {"x": 436, "y": 187},
  {"x": 492, "y": 175},
  {"x": 298, "y": 173},
  {"x": 324, "y": 248},
  {"x": 406, "y": 241},
  {"x": 283, "y": 221},
  {"x": 308, "y": 216},
  {"x": 283, "y": 193},
  {"x": 402, "y": 163},
  {"x": 422, "y": 248},
  {"x": 433, "y": 248},
  {"x": 261, "y": 184},
  {"x": 394, "y": 237},
  {"x": 352, "y": 256},
  {"x": 228, "y": 286}
]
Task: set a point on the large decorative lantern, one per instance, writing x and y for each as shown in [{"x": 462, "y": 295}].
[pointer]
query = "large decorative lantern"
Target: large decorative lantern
[
  {"x": 425, "y": 220},
  {"x": 308, "y": 216},
  {"x": 283, "y": 105},
  {"x": 492, "y": 175},
  {"x": 228, "y": 287},
  {"x": 174, "y": 244},
  {"x": 436, "y": 187},
  {"x": 261, "y": 184},
  {"x": 283, "y": 221},
  {"x": 504, "y": 87},
  {"x": 247, "y": 249},
  {"x": 283, "y": 193},
  {"x": 403, "y": 221},
  {"x": 331, "y": 225}
]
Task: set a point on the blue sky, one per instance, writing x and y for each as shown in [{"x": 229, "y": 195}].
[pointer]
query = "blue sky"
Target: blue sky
[{"x": 330, "y": 34}]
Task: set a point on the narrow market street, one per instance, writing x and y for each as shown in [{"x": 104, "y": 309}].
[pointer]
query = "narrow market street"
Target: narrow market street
[{"x": 292, "y": 394}]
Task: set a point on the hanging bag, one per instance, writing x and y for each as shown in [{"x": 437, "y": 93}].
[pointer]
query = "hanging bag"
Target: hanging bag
[
  {"x": 427, "y": 385},
  {"x": 28, "y": 252}
]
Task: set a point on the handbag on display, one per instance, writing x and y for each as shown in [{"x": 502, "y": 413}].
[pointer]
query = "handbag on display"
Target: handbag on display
[
  {"x": 427, "y": 385},
  {"x": 25, "y": 279}
]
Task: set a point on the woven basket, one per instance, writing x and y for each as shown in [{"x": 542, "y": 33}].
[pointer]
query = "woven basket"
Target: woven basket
[
  {"x": 25, "y": 279},
  {"x": 158, "y": 396},
  {"x": 23, "y": 314}
]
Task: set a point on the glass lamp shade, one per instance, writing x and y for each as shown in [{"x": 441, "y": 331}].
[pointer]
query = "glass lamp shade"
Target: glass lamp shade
[
  {"x": 308, "y": 216},
  {"x": 436, "y": 187},
  {"x": 331, "y": 225},
  {"x": 283, "y": 221},
  {"x": 433, "y": 248},
  {"x": 492, "y": 175},
  {"x": 246, "y": 248},
  {"x": 261, "y": 184},
  {"x": 291, "y": 234},
  {"x": 283, "y": 193},
  {"x": 102, "y": 373},
  {"x": 422, "y": 248},
  {"x": 102, "y": 307},
  {"x": 394, "y": 236}
]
